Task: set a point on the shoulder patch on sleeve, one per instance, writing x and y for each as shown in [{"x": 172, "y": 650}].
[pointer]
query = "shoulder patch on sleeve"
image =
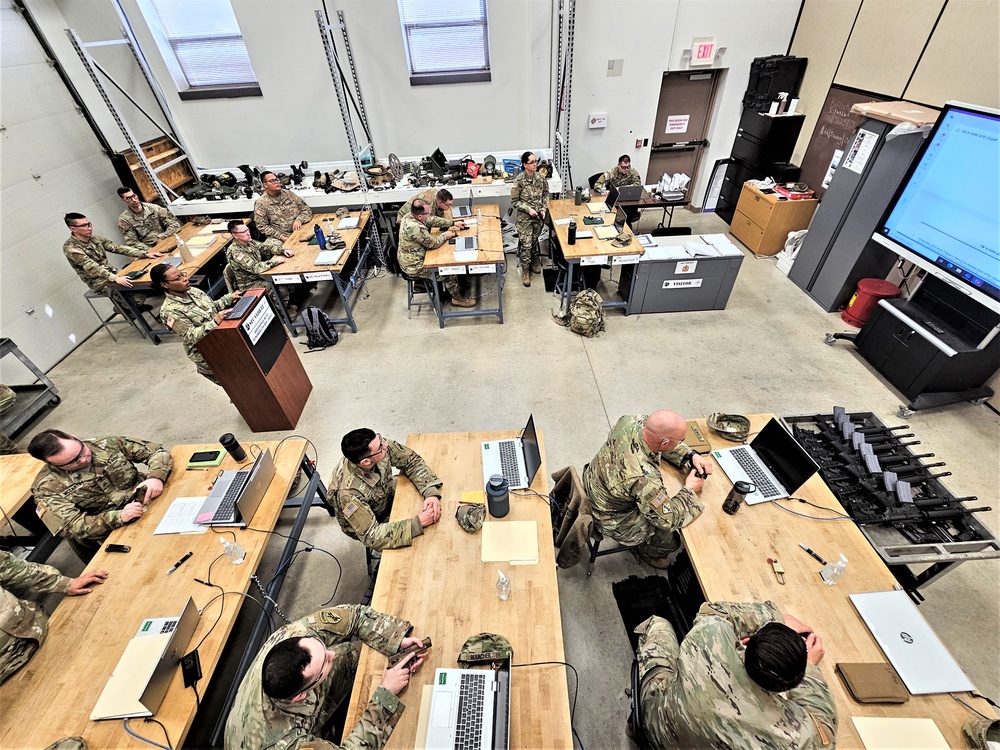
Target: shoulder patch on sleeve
[
  {"x": 331, "y": 618},
  {"x": 169, "y": 321},
  {"x": 659, "y": 499},
  {"x": 350, "y": 509}
]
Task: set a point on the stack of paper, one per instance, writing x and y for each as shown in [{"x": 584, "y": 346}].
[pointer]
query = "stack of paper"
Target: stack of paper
[{"x": 514, "y": 542}]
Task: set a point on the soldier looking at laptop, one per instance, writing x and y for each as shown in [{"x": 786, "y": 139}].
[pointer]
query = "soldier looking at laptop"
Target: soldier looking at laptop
[
  {"x": 627, "y": 496},
  {"x": 362, "y": 490},
  {"x": 415, "y": 240}
]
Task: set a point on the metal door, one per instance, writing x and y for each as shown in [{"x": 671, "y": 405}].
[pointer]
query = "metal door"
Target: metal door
[{"x": 682, "y": 117}]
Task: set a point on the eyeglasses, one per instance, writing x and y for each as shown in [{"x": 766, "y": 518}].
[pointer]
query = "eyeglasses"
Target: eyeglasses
[
  {"x": 181, "y": 275},
  {"x": 244, "y": 230},
  {"x": 531, "y": 161},
  {"x": 272, "y": 179},
  {"x": 81, "y": 226},
  {"x": 378, "y": 451},
  {"x": 83, "y": 449}
]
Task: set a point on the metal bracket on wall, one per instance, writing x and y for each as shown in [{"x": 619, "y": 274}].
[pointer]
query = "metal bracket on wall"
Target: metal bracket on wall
[{"x": 566, "y": 22}]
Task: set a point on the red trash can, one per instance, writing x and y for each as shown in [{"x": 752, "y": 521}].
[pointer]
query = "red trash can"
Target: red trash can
[{"x": 870, "y": 291}]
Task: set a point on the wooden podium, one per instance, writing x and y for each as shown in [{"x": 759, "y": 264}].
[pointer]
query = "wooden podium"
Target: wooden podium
[{"x": 258, "y": 366}]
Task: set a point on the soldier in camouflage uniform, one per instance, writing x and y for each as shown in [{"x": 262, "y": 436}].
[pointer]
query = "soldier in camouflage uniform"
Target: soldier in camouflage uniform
[
  {"x": 624, "y": 174},
  {"x": 88, "y": 254},
  {"x": 279, "y": 212},
  {"x": 306, "y": 669},
  {"x": 439, "y": 200},
  {"x": 249, "y": 258},
  {"x": 530, "y": 196},
  {"x": 362, "y": 489},
  {"x": 628, "y": 500},
  {"x": 24, "y": 625},
  {"x": 190, "y": 313},
  {"x": 415, "y": 240},
  {"x": 87, "y": 484},
  {"x": 741, "y": 679},
  {"x": 144, "y": 224}
]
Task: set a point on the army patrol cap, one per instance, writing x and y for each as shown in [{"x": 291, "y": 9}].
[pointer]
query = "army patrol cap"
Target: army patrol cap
[
  {"x": 982, "y": 734},
  {"x": 68, "y": 743},
  {"x": 733, "y": 427},
  {"x": 484, "y": 648},
  {"x": 471, "y": 517},
  {"x": 622, "y": 240}
]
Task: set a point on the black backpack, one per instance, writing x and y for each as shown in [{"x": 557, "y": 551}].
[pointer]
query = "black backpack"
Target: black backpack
[{"x": 320, "y": 332}]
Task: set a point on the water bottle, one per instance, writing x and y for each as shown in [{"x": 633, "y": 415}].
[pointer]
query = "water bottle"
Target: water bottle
[
  {"x": 736, "y": 496},
  {"x": 571, "y": 233},
  {"x": 181, "y": 244},
  {"x": 503, "y": 586},
  {"x": 329, "y": 226},
  {"x": 497, "y": 496},
  {"x": 578, "y": 198},
  {"x": 320, "y": 239},
  {"x": 833, "y": 572},
  {"x": 233, "y": 551}
]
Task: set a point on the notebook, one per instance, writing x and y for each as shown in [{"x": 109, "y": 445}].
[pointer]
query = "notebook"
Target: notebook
[
  {"x": 516, "y": 459},
  {"x": 773, "y": 462},
  {"x": 470, "y": 708},
  {"x": 237, "y": 493},
  {"x": 143, "y": 674},
  {"x": 916, "y": 653}
]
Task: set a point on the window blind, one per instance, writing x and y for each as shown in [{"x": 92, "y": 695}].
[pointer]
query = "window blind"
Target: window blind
[{"x": 446, "y": 39}]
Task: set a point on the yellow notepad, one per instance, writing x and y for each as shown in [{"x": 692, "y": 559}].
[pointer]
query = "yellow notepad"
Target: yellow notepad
[
  {"x": 514, "y": 542},
  {"x": 899, "y": 734},
  {"x": 473, "y": 497}
]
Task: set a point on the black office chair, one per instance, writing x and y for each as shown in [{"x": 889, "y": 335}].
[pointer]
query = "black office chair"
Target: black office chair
[
  {"x": 594, "y": 545},
  {"x": 415, "y": 286},
  {"x": 636, "y": 729},
  {"x": 593, "y": 180},
  {"x": 581, "y": 281}
]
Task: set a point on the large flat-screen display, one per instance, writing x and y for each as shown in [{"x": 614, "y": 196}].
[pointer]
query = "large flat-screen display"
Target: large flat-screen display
[{"x": 946, "y": 215}]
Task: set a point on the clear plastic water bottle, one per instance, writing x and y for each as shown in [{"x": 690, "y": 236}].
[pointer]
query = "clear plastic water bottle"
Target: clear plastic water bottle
[
  {"x": 233, "y": 550},
  {"x": 180, "y": 243},
  {"x": 833, "y": 572},
  {"x": 503, "y": 586}
]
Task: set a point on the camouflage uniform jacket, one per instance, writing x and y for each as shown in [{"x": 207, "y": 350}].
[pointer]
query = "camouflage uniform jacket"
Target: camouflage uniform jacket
[
  {"x": 415, "y": 240},
  {"x": 362, "y": 499},
  {"x": 617, "y": 179},
  {"x": 143, "y": 230},
  {"x": 18, "y": 618},
  {"x": 626, "y": 491},
  {"x": 192, "y": 317},
  {"x": 698, "y": 694},
  {"x": 88, "y": 502},
  {"x": 274, "y": 216},
  {"x": 429, "y": 195},
  {"x": 251, "y": 260},
  {"x": 258, "y": 722},
  {"x": 529, "y": 192},
  {"x": 90, "y": 259}
]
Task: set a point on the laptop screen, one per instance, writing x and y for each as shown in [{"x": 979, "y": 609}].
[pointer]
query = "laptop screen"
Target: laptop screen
[
  {"x": 619, "y": 220},
  {"x": 786, "y": 459},
  {"x": 529, "y": 443},
  {"x": 612, "y": 198}
]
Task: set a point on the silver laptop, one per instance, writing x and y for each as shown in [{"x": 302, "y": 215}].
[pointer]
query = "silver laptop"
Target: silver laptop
[
  {"x": 140, "y": 680},
  {"x": 773, "y": 462},
  {"x": 916, "y": 653},
  {"x": 516, "y": 459},
  {"x": 470, "y": 708},
  {"x": 173, "y": 260},
  {"x": 237, "y": 493},
  {"x": 630, "y": 193},
  {"x": 462, "y": 212},
  {"x": 466, "y": 243},
  {"x": 348, "y": 222}
]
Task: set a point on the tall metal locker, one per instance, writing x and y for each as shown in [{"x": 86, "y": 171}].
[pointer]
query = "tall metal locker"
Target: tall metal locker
[{"x": 838, "y": 251}]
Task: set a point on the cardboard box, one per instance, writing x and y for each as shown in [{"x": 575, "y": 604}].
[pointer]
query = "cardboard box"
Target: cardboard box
[{"x": 897, "y": 112}]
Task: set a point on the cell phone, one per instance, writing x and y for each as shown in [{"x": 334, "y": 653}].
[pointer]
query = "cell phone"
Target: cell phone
[
  {"x": 205, "y": 458},
  {"x": 117, "y": 548}
]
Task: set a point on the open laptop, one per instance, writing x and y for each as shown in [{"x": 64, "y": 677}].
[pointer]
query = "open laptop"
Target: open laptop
[
  {"x": 516, "y": 459},
  {"x": 470, "y": 242},
  {"x": 144, "y": 671},
  {"x": 916, "y": 653},
  {"x": 237, "y": 493},
  {"x": 630, "y": 193},
  {"x": 470, "y": 708},
  {"x": 773, "y": 462},
  {"x": 462, "y": 212},
  {"x": 612, "y": 198},
  {"x": 610, "y": 231}
]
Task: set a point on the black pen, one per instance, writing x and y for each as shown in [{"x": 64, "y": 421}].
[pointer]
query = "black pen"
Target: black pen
[
  {"x": 180, "y": 562},
  {"x": 813, "y": 553}
]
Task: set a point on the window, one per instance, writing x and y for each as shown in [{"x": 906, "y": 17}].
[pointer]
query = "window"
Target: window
[
  {"x": 203, "y": 47},
  {"x": 447, "y": 41}
]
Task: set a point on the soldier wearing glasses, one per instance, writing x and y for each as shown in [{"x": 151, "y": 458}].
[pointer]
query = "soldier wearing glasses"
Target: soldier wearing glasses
[
  {"x": 249, "y": 259},
  {"x": 279, "y": 212},
  {"x": 362, "y": 489},
  {"x": 627, "y": 496},
  {"x": 95, "y": 486},
  {"x": 88, "y": 254}
]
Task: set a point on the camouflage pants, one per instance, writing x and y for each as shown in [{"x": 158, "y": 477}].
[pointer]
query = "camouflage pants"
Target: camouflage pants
[
  {"x": 14, "y": 654},
  {"x": 450, "y": 282},
  {"x": 657, "y": 655},
  {"x": 657, "y": 547},
  {"x": 528, "y": 230}
]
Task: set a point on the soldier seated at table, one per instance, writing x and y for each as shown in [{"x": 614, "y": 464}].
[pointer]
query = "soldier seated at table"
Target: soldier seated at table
[
  {"x": 627, "y": 496},
  {"x": 306, "y": 670},
  {"x": 744, "y": 678},
  {"x": 88, "y": 485},
  {"x": 24, "y": 624},
  {"x": 415, "y": 239},
  {"x": 144, "y": 224},
  {"x": 362, "y": 490},
  {"x": 249, "y": 259},
  {"x": 440, "y": 200},
  {"x": 279, "y": 212}
]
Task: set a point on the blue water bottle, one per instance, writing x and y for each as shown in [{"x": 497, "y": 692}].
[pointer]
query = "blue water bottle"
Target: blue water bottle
[{"x": 320, "y": 239}]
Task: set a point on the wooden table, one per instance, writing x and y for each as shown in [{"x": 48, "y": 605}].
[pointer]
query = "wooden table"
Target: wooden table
[
  {"x": 54, "y": 694},
  {"x": 649, "y": 200},
  {"x": 302, "y": 267},
  {"x": 168, "y": 246},
  {"x": 440, "y": 585},
  {"x": 729, "y": 554},
  {"x": 489, "y": 259},
  {"x": 590, "y": 251},
  {"x": 17, "y": 474}
]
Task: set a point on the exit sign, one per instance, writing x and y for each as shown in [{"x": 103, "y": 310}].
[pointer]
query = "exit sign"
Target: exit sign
[{"x": 702, "y": 51}]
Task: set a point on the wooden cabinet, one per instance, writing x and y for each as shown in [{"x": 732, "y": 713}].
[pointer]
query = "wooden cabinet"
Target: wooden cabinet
[{"x": 762, "y": 222}]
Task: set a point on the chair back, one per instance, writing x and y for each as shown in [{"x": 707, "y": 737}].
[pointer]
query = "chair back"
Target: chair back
[
  {"x": 230, "y": 278},
  {"x": 593, "y": 179}
]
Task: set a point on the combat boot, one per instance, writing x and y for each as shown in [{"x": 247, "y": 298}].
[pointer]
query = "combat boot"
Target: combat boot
[
  {"x": 459, "y": 301},
  {"x": 536, "y": 266},
  {"x": 526, "y": 275}
]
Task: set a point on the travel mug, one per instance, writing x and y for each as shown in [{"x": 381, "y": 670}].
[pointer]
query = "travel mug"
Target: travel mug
[{"x": 233, "y": 447}]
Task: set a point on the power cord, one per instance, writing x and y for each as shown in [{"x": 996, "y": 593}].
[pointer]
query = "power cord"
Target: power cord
[
  {"x": 837, "y": 517},
  {"x": 128, "y": 729},
  {"x": 576, "y": 688},
  {"x": 527, "y": 492}
]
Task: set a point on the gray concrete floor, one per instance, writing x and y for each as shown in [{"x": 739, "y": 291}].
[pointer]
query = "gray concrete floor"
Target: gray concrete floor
[{"x": 763, "y": 353}]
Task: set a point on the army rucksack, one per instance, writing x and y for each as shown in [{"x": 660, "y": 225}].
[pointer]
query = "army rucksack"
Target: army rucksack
[
  {"x": 586, "y": 314},
  {"x": 320, "y": 332}
]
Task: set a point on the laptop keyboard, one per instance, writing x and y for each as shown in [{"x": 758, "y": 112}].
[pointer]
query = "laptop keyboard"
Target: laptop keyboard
[
  {"x": 225, "y": 510},
  {"x": 508, "y": 462},
  {"x": 168, "y": 626},
  {"x": 469, "y": 729},
  {"x": 748, "y": 463}
]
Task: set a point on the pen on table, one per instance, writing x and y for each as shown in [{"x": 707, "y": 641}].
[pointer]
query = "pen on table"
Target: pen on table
[
  {"x": 813, "y": 553},
  {"x": 180, "y": 562}
]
